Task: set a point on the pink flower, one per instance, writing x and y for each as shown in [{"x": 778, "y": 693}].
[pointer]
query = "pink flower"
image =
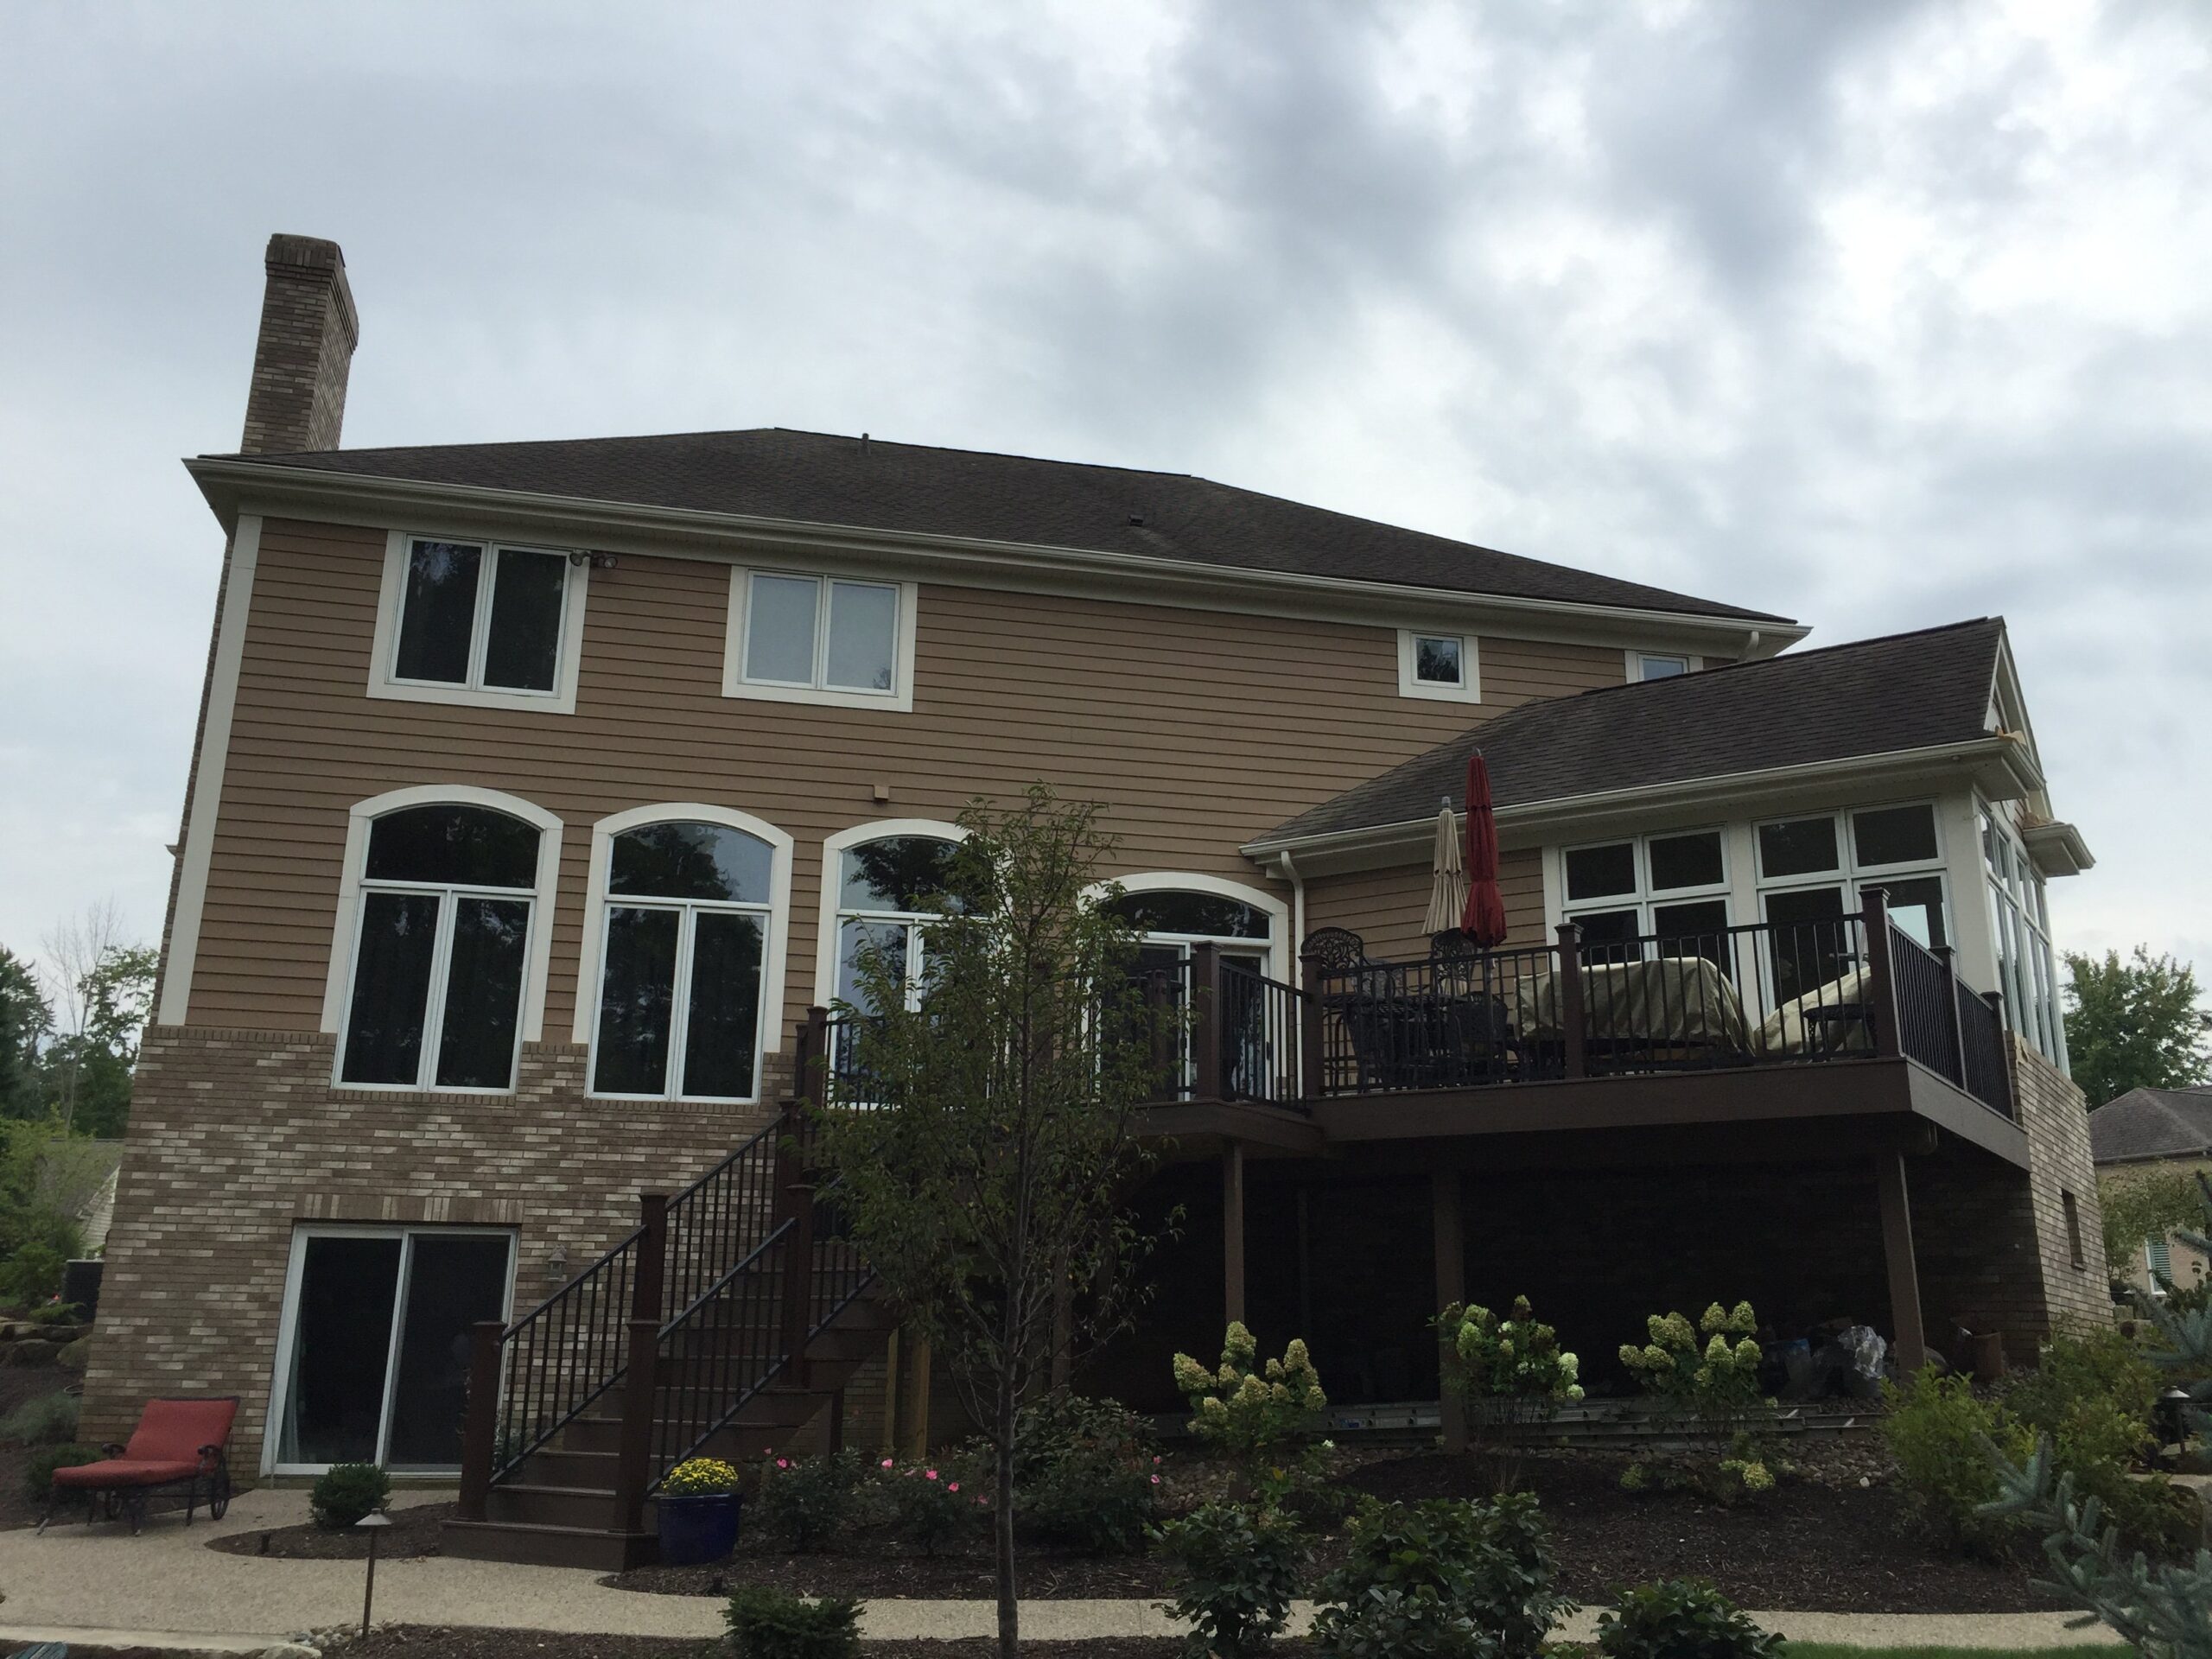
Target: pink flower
[
  {"x": 1156, "y": 1480},
  {"x": 932, "y": 1473},
  {"x": 783, "y": 1463},
  {"x": 886, "y": 1463},
  {"x": 953, "y": 1486}
]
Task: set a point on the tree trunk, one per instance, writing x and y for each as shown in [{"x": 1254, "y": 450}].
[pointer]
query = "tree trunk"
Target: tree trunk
[{"x": 1009, "y": 1607}]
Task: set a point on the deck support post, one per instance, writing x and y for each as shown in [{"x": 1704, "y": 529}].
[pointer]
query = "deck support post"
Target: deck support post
[
  {"x": 1445, "y": 1198},
  {"x": 1311, "y": 1062},
  {"x": 1232, "y": 1232},
  {"x": 634, "y": 1448},
  {"x": 1910, "y": 1330}
]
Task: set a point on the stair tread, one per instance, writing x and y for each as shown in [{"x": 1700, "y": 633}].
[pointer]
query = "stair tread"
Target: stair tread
[{"x": 540, "y": 1526}]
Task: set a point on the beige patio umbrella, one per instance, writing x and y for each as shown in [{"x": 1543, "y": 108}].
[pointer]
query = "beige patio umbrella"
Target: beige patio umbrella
[{"x": 1447, "y": 894}]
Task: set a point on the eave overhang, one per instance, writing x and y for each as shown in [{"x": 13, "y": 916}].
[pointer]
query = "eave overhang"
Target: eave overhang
[
  {"x": 1999, "y": 765},
  {"x": 2057, "y": 848},
  {"x": 232, "y": 486}
]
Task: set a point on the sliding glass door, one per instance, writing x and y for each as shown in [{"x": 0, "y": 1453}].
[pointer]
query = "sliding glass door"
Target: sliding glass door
[{"x": 374, "y": 1344}]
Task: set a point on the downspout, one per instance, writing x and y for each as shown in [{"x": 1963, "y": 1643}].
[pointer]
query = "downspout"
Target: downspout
[{"x": 1296, "y": 916}]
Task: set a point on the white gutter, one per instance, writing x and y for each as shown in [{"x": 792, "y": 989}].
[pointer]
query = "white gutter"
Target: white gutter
[
  {"x": 1649, "y": 797},
  {"x": 226, "y": 482}
]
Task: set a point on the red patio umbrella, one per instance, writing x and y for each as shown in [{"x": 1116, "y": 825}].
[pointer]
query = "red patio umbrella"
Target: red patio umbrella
[{"x": 1484, "y": 919}]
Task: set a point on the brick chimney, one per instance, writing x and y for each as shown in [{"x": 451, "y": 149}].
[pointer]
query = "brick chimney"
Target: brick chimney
[{"x": 308, "y": 330}]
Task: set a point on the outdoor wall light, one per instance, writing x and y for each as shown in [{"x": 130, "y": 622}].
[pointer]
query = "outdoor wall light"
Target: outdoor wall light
[{"x": 556, "y": 1267}]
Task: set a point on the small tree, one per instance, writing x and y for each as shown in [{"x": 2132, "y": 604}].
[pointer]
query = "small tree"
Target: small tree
[
  {"x": 2133, "y": 1024},
  {"x": 2139, "y": 1204},
  {"x": 988, "y": 1181},
  {"x": 1511, "y": 1373}
]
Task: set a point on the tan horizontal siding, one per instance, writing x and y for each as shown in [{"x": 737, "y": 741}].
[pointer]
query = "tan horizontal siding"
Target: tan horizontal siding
[
  {"x": 1199, "y": 730},
  {"x": 1386, "y": 907}
]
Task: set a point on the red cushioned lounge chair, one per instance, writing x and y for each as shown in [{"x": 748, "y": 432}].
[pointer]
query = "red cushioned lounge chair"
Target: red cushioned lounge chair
[{"x": 177, "y": 1442}]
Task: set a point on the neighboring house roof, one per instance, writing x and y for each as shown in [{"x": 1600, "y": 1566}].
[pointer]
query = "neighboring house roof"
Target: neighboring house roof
[
  {"x": 1901, "y": 692},
  {"x": 818, "y": 479},
  {"x": 2144, "y": 1124}
]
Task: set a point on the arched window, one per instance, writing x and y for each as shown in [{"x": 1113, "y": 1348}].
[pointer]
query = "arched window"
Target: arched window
[
  {"x": 885, "y": 888},
  {"x": 441, "y": 951},
  {"x": 1174, "y": 919},
  {"x": 685, "y": 983}
]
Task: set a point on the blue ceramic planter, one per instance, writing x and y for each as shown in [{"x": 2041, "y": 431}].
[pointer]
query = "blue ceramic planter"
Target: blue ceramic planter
[{"x": 698, "y": 1528}]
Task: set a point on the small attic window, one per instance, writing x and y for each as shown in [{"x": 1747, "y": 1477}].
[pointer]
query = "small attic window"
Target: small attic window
[{"x": 1438, "y": 666}]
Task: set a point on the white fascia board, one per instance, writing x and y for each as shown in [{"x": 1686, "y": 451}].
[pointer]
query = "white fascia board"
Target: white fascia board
[
  {"x": 2057, "y": 848},
  {"x": 1995, "y": 763},
  {"x": 232, "y": 485}
]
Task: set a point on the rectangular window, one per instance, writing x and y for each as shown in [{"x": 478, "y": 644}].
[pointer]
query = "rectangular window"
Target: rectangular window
[
  {"x": 1799, "y": 847},
  {"x": 1671, "y": 888},
  {"x": 477, "y": 621},
  {"x": 374, "y": 1361},
  {"x": 1649, "y": 666},
  {"x": 1816, "y": 872},
  {"x": 827, "y": 640},
  {"x": 1440, "y": 666},
  {"x": 2073, "y": 1228}
]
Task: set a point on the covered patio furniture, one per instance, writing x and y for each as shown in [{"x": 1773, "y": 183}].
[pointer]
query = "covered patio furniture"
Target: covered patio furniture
[
  {"x": 178, "y": 1442},
  {"x": 1829, "y": 1019},
  {"x": 1661, "y": 1010}
]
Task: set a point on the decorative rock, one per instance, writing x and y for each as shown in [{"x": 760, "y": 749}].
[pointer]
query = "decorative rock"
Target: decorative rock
[
  {"x": 31, "y": 1354},
  {"x": 290, "y": 1650},
  {"x": 74, "y": 1356}
]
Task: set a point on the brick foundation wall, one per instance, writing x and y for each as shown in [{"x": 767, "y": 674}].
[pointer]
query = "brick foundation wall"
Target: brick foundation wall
[
  {"x": 2057, "y": 1118},
  {"x": 236, "y": 1137}
]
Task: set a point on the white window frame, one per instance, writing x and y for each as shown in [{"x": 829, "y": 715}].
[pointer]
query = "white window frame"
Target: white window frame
[
  {"x": 288, "y": 1322},
  {"x": 1277, "y": 911},
  {"x": 768, "y": 1034},
  {"x": 384, "y": 682},
  {"x": 735, "y": 683},
  {"x": 2024, "y": 963},
  {"x": 1410, "y": 684},
  {"x": 1691, "y": 661},
  {"x": 345, "y": 929},
  {"x": 832, "y": 915},
  {"x": 1645, "y": 897},
  {"x": 1853, "y": 876}
]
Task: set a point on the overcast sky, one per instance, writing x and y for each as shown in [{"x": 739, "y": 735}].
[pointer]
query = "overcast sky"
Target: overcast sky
[{"x": 1878, "y": 315}]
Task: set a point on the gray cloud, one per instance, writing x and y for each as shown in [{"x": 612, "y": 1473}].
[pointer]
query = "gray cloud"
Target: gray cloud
[{"x": 1880, "y": 315}]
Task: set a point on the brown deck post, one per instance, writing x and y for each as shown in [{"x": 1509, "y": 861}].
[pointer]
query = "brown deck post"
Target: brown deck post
[
  {"x": 798, "y": 1274},
  {"x": 1881, "y": 994},
  {"x": 1205, "y": 1022},
  {"x": 1996, "y": 1001},
  {"x": 1310, "y": 1059},
  {"x": 650, "y": 1285},
  {"x": 1232, "y": 1232},
  {"x": 1444, "y": 1198},
  {"x": 1572, "y": 1022},
  {"x": 1910, "y": 1333},
  {"x": 1944, "y": 954},
  {"x": 635, "y": 1447},
  {"x": 480, "y": 1429},
  {"x": 813, "y": 1080}
]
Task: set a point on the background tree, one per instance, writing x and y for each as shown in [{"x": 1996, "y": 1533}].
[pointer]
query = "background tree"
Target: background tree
[
  {"x": 25, "y": 1019},
  {"x": 988, "y": 1181},
  {"x": 101, "y": 986},
  {"x": 2133, "y": 1024},
  {"x": 2143, "y": 1201}
]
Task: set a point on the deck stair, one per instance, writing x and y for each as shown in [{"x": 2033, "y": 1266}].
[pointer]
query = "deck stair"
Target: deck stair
[{"x": 726, "y": 1325}]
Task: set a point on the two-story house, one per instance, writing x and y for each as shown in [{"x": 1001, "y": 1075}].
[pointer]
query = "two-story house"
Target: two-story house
[{"x": 541, "y": 789}]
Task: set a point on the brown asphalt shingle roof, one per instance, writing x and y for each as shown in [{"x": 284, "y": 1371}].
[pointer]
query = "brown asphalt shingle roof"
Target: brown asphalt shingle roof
[
  {"x": 2152, "y": 1123},
  {"x": 1872, "y": 697},
  {"x": 821, "y": 478}
]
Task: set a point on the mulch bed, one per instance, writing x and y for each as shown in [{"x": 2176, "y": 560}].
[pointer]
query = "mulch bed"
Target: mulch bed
[
  {"x": 1819, "y": 1542},
  {"x": 415, "y": 1530}
]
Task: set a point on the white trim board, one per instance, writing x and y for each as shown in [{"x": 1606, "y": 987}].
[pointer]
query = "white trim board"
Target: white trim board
[
  {"x": 207, "y": 774},
  {"x": 561, "y": 700},
  {"x": 1278, "y": 910},
  {"x": 899, "y": 700}
]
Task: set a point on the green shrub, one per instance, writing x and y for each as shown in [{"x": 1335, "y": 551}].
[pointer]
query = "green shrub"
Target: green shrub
[
  {"x": 347, "y": 1491},
  {"x": 2094, "y": 1392},
  {"x": 770, "y": 1623},
  {"x": 38, "y": 1469},
  {"x": 1511, "y": 1375},
  {"x": 1445, "y": 1564},
  {"x": 932, "y": 1505},
  {"x": 32, "y": 1275},
  {"x": 1235, "y": 1569},
  {"x": 805, "y": 1500},
  {"x": 1682, "y": 1619},
  {"x": 1935, "y": 1426},
  {"x": 55, "y": 1312},
  {"x": 1255, "y": 1414},
  {"x": 1085, "y": 1473},
  {"x": 50, "y": 1419}
]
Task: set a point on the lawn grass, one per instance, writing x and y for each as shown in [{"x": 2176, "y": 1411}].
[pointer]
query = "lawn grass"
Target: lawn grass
[{"x": 1837, "y": 1650}]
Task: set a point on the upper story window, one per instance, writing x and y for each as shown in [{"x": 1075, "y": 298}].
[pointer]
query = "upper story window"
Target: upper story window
[
  {"x": 2020, "y": 926},
  {"x": 691, "y": 914},
  {"x": 1658, "y": 665},
  {"x": 1815, "y": 871},
  {"x": 829, "y": 640},
  {"x": 441, "y": 950},
  {"x": 1674, "y": 886},
  {"x": 479, "y": 621},
  {"x": 1441, "y": 667}
]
